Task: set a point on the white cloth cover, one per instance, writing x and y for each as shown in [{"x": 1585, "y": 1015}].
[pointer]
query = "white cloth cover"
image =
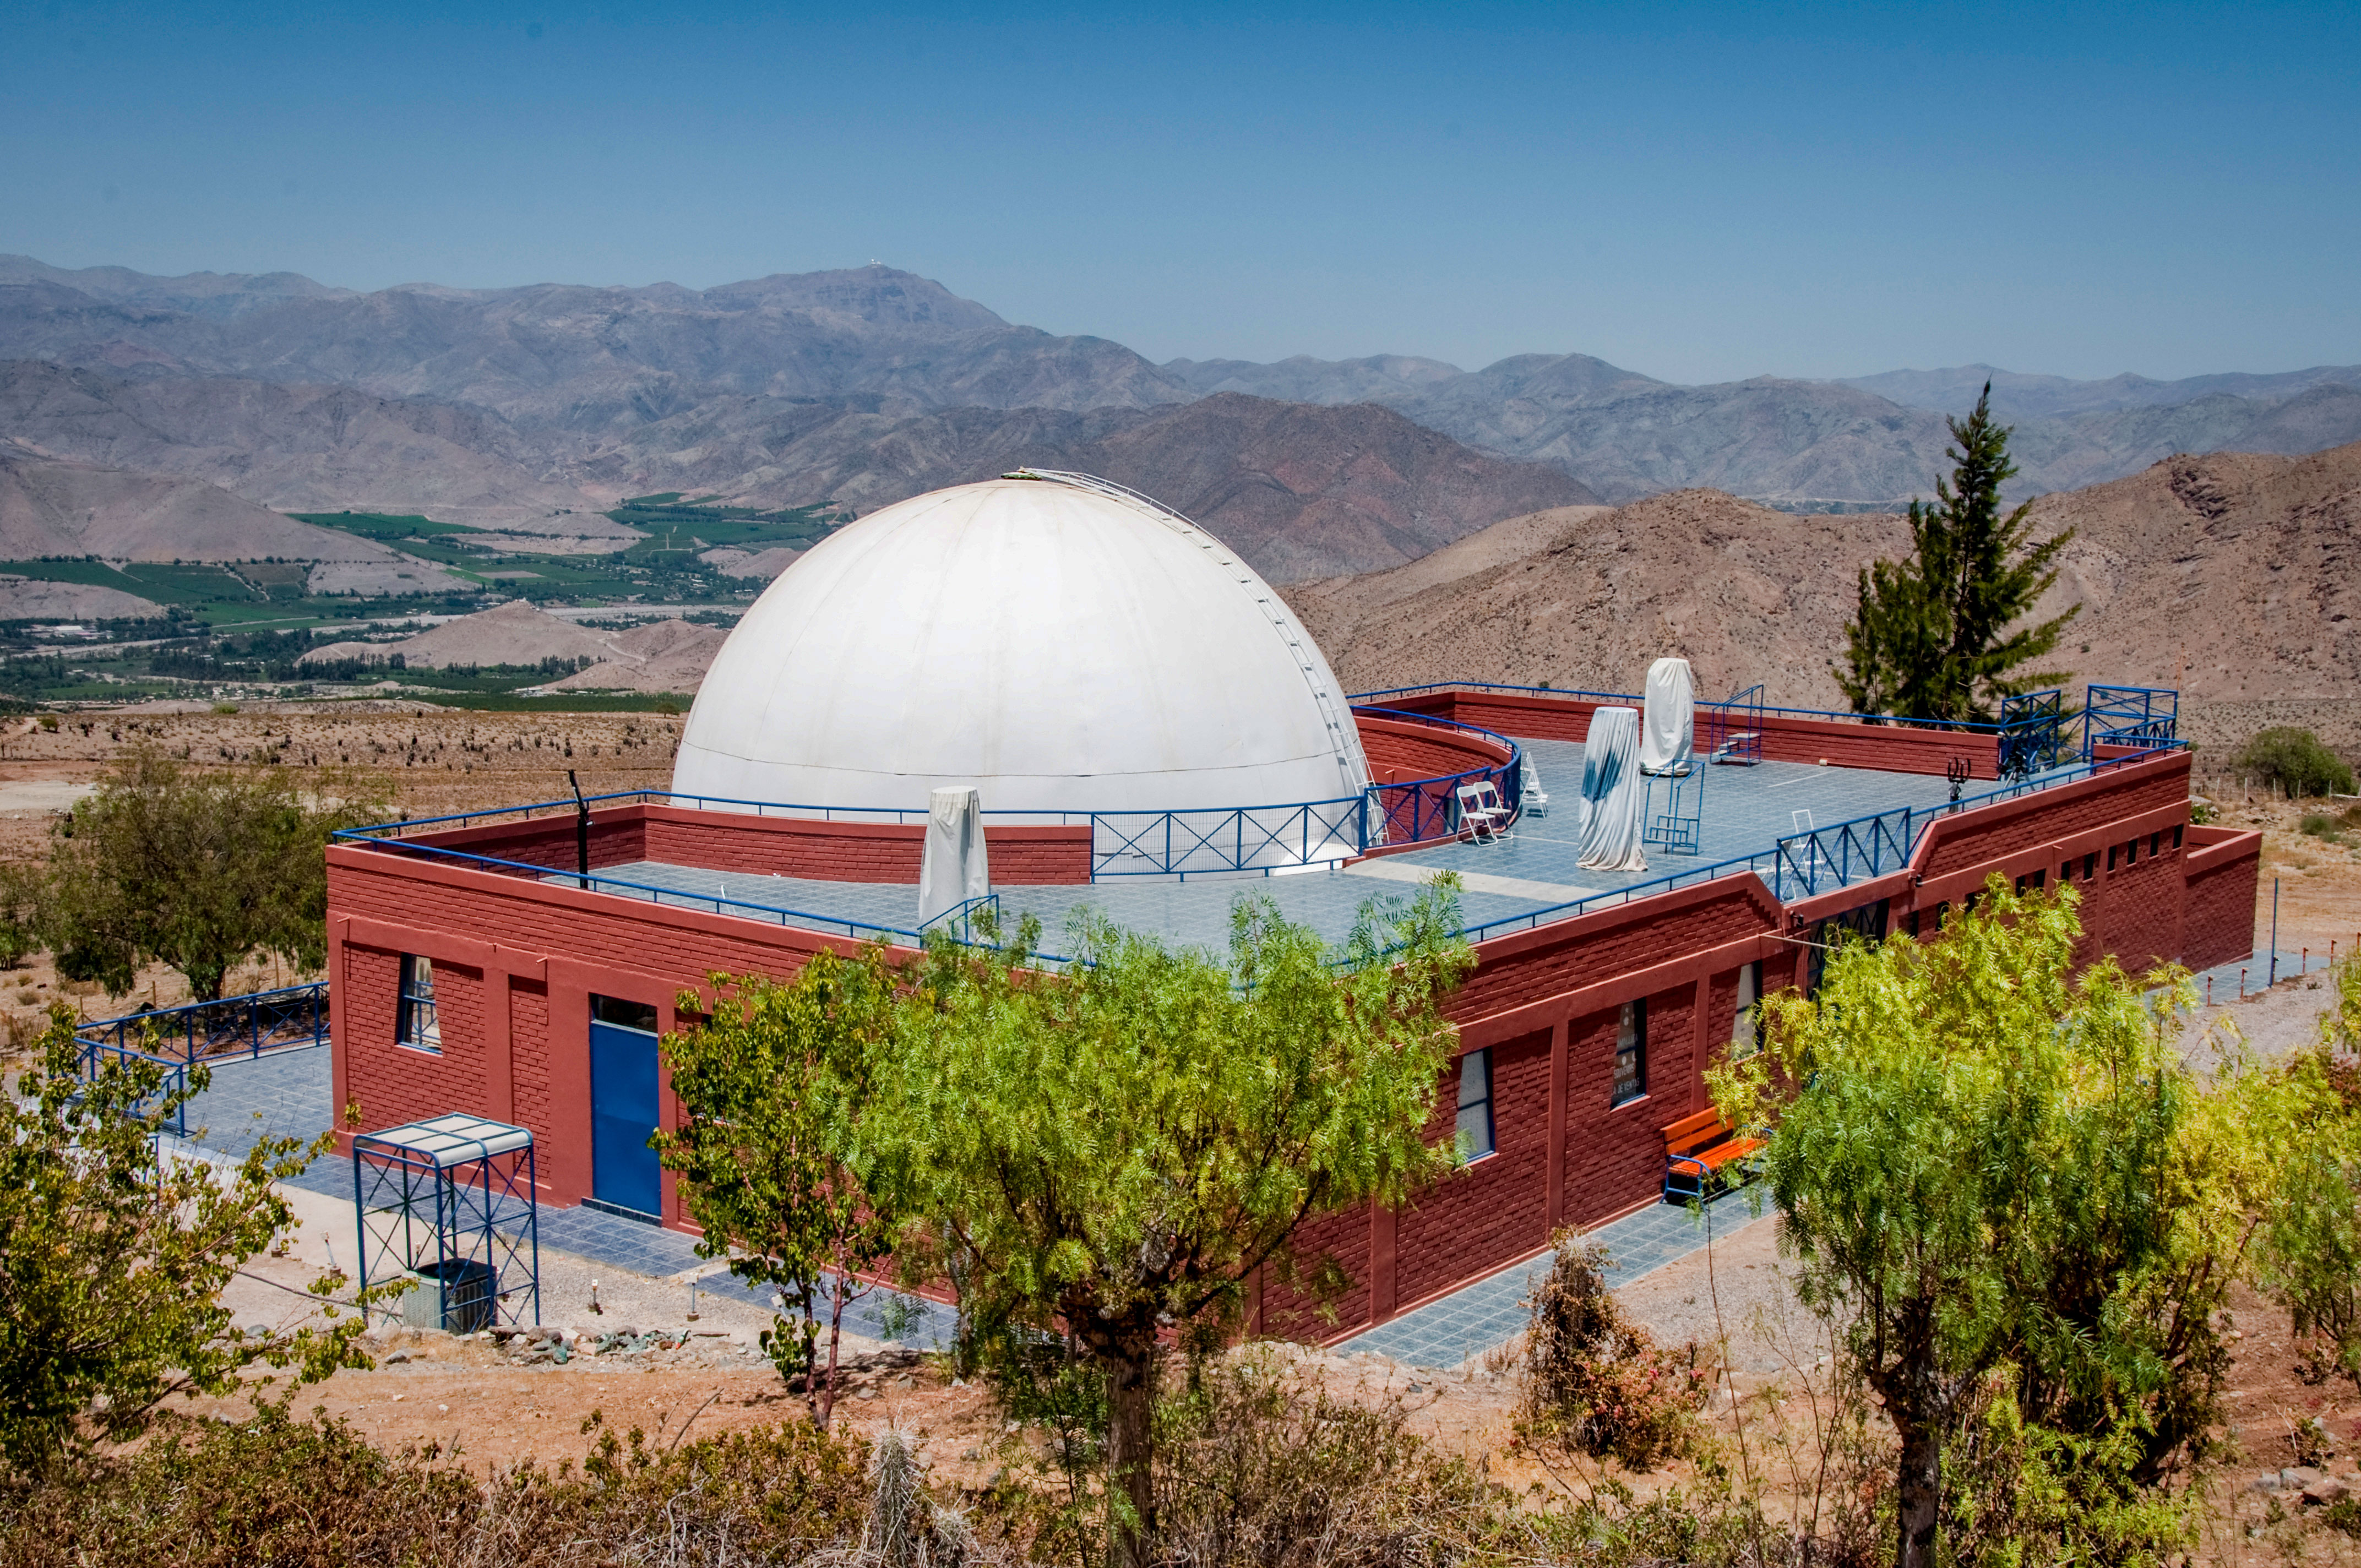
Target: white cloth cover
[
  {"x": 952, "y": 868},
  {"x": 1669, "y": 736},
  {"x": 1612, "y": 800}
]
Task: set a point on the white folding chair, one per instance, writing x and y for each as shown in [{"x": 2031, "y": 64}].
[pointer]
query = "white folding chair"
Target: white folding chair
[{"x": 1482, "y": 814}]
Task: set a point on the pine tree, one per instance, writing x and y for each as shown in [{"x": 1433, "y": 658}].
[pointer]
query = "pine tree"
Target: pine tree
[{"x": 1932, "y": 638}]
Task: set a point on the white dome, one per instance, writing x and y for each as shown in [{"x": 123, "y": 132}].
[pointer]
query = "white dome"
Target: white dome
[{"x": 1060, "y": 643}]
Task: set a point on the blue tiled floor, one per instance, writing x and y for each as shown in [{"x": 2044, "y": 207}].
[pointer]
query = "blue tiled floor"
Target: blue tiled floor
[
  {"x": 1479, "y": 1316},
  {"x": 285, "y": 1094},
  {"x": 290, "y": 1094},
  {"x": 1746, "y": 811}
]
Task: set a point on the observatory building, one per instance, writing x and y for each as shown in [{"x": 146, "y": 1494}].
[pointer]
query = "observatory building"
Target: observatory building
[
  {"x": 1045, "y": 692},
  {"x": 1059, "y": 645}
]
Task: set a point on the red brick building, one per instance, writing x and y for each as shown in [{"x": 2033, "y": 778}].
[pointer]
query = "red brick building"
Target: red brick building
[{"x": 1590, "y": 1018}]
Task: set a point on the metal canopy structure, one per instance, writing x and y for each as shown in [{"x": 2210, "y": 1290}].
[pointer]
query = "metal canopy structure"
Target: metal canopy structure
[{"x": 450, "y": 1201}]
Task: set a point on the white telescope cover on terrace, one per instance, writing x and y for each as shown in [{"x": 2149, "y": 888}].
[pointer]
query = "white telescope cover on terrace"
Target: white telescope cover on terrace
[
  {"x": 952, "y": 868},
  {"x": 1669, "y": 736},
  {"x": 1612, "y": 801},
  {"x": 1061, "y": 648}
]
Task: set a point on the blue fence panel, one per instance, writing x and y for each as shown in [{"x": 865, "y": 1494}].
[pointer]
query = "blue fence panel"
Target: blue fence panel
[
  {"x": 2144, "y": 717},
  {"x": 234, "y": 1025},
  {"x": 1845, "y": 852},
  {"x": 176, "y": 1074}
]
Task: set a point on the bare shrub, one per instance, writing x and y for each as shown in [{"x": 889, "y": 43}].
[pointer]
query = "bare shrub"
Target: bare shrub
[
  {"x": 296, "y": 1495},
  {"x": 1262, "y": 1465},
  {"x": 1596, "y": 1382}
]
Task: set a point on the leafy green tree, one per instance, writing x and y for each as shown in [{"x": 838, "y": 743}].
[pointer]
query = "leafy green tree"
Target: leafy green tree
[
  {"x": 2295, "y": 761},
  {"x": 1116, "y": 1151},
  {"x": 113, "y": 1257},
  {"x": 23, "y": 896},
  {"x": 2312, "y": 1257},
  {"x": 1932, "y": 637},
  {"x": 195, "y": 867},
  {"x": 773, "y": 1087},
  {"x": 2019, "y": 1201}
]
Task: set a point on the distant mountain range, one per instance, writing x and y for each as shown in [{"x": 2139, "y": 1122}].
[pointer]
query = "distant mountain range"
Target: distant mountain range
[{"x": 537, "y": 407}]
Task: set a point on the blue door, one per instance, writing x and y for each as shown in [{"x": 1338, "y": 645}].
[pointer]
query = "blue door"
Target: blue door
[{"x": 623, "y": 1115}]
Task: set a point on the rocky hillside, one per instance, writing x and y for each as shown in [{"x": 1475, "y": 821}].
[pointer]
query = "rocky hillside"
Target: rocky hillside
[
  {"x": 667, "y": 655},
  {"x": 1801, "y": 444},
  {"x": 298, "y": 448},
  {"x": 577, "y": 358},
  {"x": 537, "y": 400},
  {"x": 51, "y": 508},
  {"x": 1300, "y": 491},
  {"x": 2233, "y": 577}
]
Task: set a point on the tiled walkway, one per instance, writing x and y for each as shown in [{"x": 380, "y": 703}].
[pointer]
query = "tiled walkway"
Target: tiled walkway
[
  {"x": 290, "y": 1093},
  {"x": 1478, "y": 1317}
]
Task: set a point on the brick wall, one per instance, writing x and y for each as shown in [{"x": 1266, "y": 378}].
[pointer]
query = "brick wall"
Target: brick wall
[
  {"x": 1785, "y": 738},
  {"x": 528, "y": 1040},
  {"x": 1399, "y": 751},
  {"x": 2218, "y": 915},
  {"x": 775, "y": 846},
  {"x": 1495, "y": 1207},
  {"x": 395, "y": 1083}
]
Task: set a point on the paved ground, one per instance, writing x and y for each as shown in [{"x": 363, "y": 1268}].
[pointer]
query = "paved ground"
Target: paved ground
[
  {"x": 1478, "y": 1317},
  {"x": 289, "y": 1093}
]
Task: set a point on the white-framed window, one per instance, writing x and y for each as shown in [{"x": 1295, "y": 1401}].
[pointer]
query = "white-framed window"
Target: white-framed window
[
  {"x": 1746, "y": 1028},
  {"x": 1476, "y": 1105},
  {"x": 1630, "y": 1052},
  {"x": 414, "y": 1021}
]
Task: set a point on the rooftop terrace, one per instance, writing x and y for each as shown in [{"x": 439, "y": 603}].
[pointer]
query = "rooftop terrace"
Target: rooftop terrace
[
  {"x": 1747, "y": 811},
  {"x": 1804, "y": 829}
]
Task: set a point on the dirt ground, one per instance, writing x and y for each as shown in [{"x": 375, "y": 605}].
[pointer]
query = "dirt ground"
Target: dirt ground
[
  {"x": 484, "y": 1412},
  {"x": 2318, "y": 880},
  {"x": 428, "y": 762}
]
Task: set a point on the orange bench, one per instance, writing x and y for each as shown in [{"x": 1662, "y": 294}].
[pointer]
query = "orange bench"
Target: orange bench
[{"x": 1696, "y": 1151}]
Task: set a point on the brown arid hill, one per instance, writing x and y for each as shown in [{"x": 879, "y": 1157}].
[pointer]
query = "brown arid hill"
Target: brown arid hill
[
  {"x": 668, "y": 655},
  {"x": 661, "y": 656},
  {"x": 1300, "y": 491},
  {"x": 2238, "y": 573},
  {"x": 298, "y": 448},
  {"x": 2235, "y": 578},
  {"x": 50, "y": 508},
  {"x": 30, "y": 598},
  {"x": 1585, "y": 597}
]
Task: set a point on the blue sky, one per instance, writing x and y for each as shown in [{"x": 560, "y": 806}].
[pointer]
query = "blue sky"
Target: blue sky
[{"x": 1698, "y": 192}]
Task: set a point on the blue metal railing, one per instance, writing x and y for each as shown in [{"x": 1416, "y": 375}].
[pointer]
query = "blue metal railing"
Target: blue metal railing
[
  {"x": 1733, "y": 727},
  {"x": 1866, "y": 847},
  {"x": 175, "y": 1074},
  {"x": 1213, "y": 840},
  {"x": 234, "y": 1025},
  {"x": 2032, "y": 732},
  {"x": 1845, "y": 852},
  {"x": 1189, "y": 843},
  {"x": 962, "y": 922},
  {"x": 1781, "y": 866},
  {"x": 2144, "y": 717}
]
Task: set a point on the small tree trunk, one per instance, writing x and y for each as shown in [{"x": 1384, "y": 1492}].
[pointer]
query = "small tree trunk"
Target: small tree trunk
[
  {"x": 1920, "y": 1494},
  {"x": 836, "y": 1296},
  {"x": 1130, "y": 1363}
]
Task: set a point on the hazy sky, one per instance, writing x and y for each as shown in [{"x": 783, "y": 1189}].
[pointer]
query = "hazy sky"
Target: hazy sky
[{"x": 1700, "y": 194}]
